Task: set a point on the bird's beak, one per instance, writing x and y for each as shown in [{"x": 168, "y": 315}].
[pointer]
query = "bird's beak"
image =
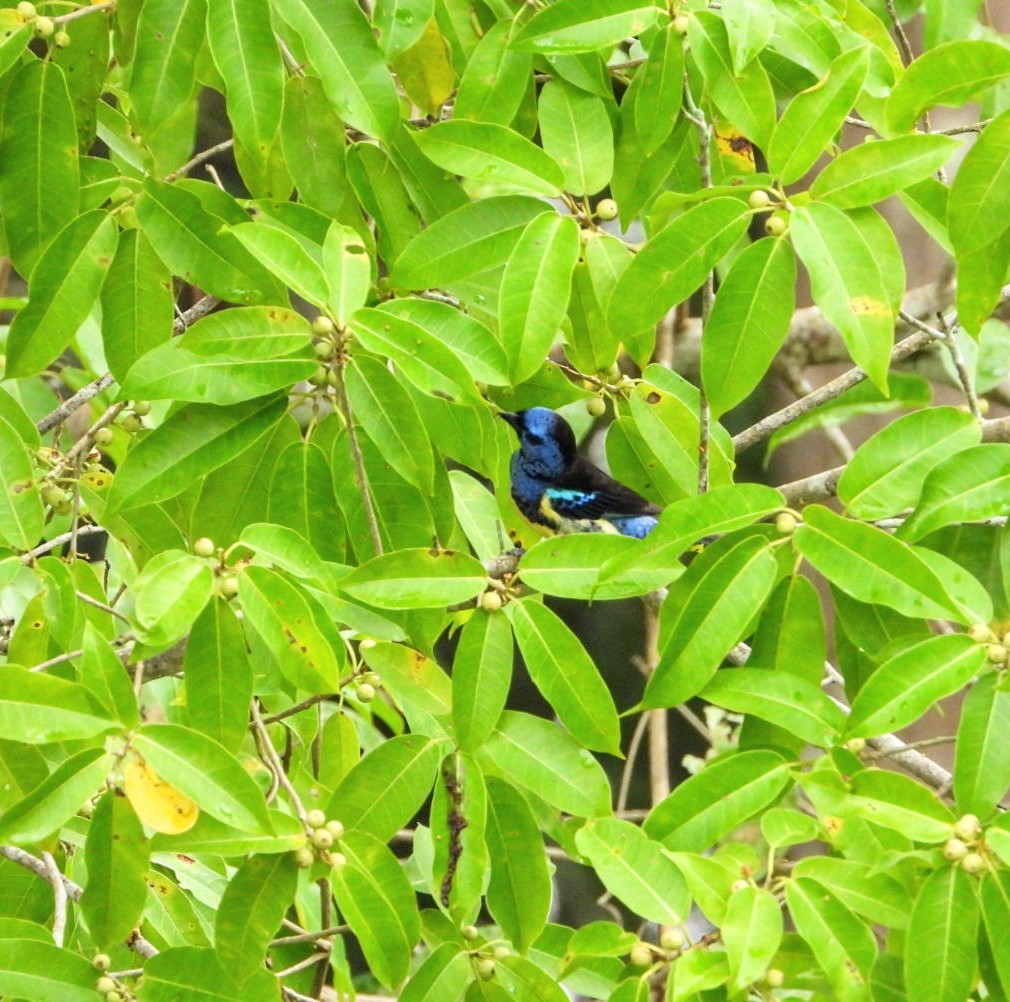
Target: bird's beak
[{"x": 513, "y": 419}]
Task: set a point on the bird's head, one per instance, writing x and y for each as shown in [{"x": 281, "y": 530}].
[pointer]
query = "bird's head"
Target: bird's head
[{"x": 546, "y": 440}]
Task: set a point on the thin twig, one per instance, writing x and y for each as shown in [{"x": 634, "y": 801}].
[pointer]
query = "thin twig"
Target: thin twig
[
  {"x": 101, "y": 605},
  {"x": 58, "y": 660},
  {"x": 309, "y": 961},
  {"x": 298, "y": 707},
  {"x": 186, "y": 319},
  {"x": 946, "y": 334},
  {"x": 801, "y": 386},
  {"x": 275, "y": 764},
  {"x": 81, "y": 397},
  {"x": 899, "y": 30},
  {"x": 659, "y": 745},
  {"x": 108, "y": 5},
  {"x": 200, "y": 158},
  {"x": 629, "y": 763},
  {"x": 322, "y": 937},
  {"x": 55, "y": 879},
  {"x": 57, "y": 541}
]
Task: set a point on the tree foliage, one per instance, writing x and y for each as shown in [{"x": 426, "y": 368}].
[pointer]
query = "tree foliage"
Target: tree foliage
[{"x": 264, "y": 738}]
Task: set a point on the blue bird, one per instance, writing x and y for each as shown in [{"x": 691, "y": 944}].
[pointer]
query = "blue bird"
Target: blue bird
[{"x": 553, "y": 485}]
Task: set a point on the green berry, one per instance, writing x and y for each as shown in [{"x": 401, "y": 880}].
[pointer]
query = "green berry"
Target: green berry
[
  {"x": 104, "y": 437},
  {"x": 304, "y": 857},
  {"x": 114, "y": 996},
  {"x": 26, "y": 9},
  {"x": 671, "y": 939},
  {"x": 61, "y": 40},
  {"x": 785, "y": 523},
  {"x": 321, "y": 838},
  {"x": 318, "y": 378},
  {"x": 105, "y": 984},
  {"x": 229, "y": 586},
  {"x": 335, "y": 828},
  {"x": 972, "y": 863},
  {"x": 679, "y": 24},
  {"x": 774, "y": 977},
  {"x": 141, "y": 407},
  {"x": 315, "y": 818},
  {"x": 996, "y": 653},
  {"x": 501, "y": 951},
  {"x": 101, "y": 962},
  {"x": 324, "y": 350},
  {"x": 366, "y": 692},
  {"x": 491, "y": 601},
  {"x": 596, "y": 407},
  {"x": 204, "y": 547},
  {"x": 44, "y": 27},
  {"x": 130, "y": 423},
  {"x": 338, "y": 860},
  {"x": 53, "y": 496},
  {"x": 856, "y": 745},
  {"x": 776, "y": 225},
  {"x": 323, "y": 326},
  {"x": 606, "y": 208},
  {"x": 954, "y": 849},
  {"x": 967, "y": 828},
  {"x": 485, "y": 968},
  {"x": 641, "y": 955},
  {"x": 470, "y": 932},
  {"x": 759, "y": 199},
  {"x": 366, "y": 644}
]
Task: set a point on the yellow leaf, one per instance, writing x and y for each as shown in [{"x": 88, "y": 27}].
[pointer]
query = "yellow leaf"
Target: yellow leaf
[
  {"x": 158, "y": 804},
  {"x": 425, "y": 71}
]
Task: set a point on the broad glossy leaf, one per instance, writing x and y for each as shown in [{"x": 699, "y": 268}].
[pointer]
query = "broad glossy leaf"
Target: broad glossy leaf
[
  {"x": 211, "y": 836},
  {"x": 709, "y": 805},
  {"x": 941, "y": 953},
  {"x": 980, "y": 276},
  {"x": 874, "y": 567},
  {"x": 950, "y": 74},
  {"x": 752, "y": 932},
  {"x": 137, "y": 303},
  {"x": 982, "y": 757},
  {"x": 534, "y": 291},
  {"x": 635, "y": 869},
  {"x": 422, "y": 689},
  {"x": 416, "y": 579},
  {"x": 481, "y": 674},
  {"x": 657, "y": 89},
  {"x": 886, "y": 474},
  {"x": 383, "y": 195},
  {"x": 40, "y": 182},
  {"x": 348, "y": 270},
  {"x": 289, "y": 257},
  {"x": 403, "y": 768},
  {"x": 101, "y": 672},
  {"x": 585, "y": 25},
  {"x": 539, "y": 756},
  {"x": 21, "y": 515},
  {"x": 979, "y": 204},
  {"x": 576, "y": 132},
  {"x": 848, "y": 284},
  {"x": 474, "y": 238},
  {"x": 118, "y": 855},
  {"x": 780, "y": 697},
  {"x": 874, "y": 894},
  {"x": 565, "y": 675},
  {"x": 815, "y": 115},
  {"x": 170, "y": 593},
  {"x": 705, "y": 614},
  {"x": 61, "y": 292},
  {"x": 42, "y": 971},
  {"x": 444, "y": 973},
  {"x": 191, "y": 443},
  {"x": 41, "y": 709},
  {"x": 424, "y": 70},
  {"x": 197, "y": 972},
  {"x": 907, "y": 685},
  {"x": 252, "y": 906},
  {"x": 399, "y": 24},
  {"x": 674, "y": 263},
  {"x": 488, "y": 152},
  {"x": 874, "y": 171},
  {"x": 494, "y": 79},
  {"x": 519, "y": 889},
  {"x": 206, "y": 772},
  {"x": 749, "y": 322},
  {"x": 745, "y": 99},
  {"x": 344, "y": 53},
  {"x": 994, "y": 897}
]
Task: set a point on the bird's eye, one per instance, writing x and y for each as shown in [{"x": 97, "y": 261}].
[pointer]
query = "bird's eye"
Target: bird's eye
[{"x": 534, "y": 439}]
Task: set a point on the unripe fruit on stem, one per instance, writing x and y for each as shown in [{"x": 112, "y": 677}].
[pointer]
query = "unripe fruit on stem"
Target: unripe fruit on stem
[
  {"x": 318, "y": 378},
  {"x": 596, "y": 407},
  {"x": 323, "y": 326},
  {"x": 26, "y": 9},
  {"x": 954, "y": 849},
  {"x": 114, "y": 996},
  {"x": 141, "y": 407},
  {"x": 104, "y": 437},
  {"x": 335, "y": 828},
  {"x": 785, "y": 523},
  {"x": 229, "y": 586},
  {"x": 321, "y": 838},
  {"x": 972, "y": 863},
  {"x": 967, "y": 827},
  {"x": 372, "y": 679},
  {"x": 774, "y": 977},
  {"x": 204, "y": 547},
  {"x": 61, "y": 40},
  {"x": 856, "y": 745},
  {"x": 315, "y": 818},
  {"x": 740, "y": 885},
  {"x": 332, "y": 379},
  {"x": 366, "y": 644},
  {"x": 776, "y": 225},
  {"x": 679, "y": 24},
  {"x": 641, "y": 955},
  {"x": 996, "y": 653},
  {"x": 304, "y": 857},
  {"x": 338, "y": 860},
  {"x": 485, "y": 968},
  {"x": 366, "y": 692},
  {"x": 130, "y": 423},
  {"x": 606, "y": 208},
  {"x": 671, "y": 939},
  {"x": 491, "y": 601},
  {"x": 101, "y": 961},
  {"x": 982, "y": 633},
  {"x": 501, "y": 951},
  {"x": 759, "y": 199},
  {"x": 324, "y": 350},
  {"x": 44, "y": 27},
  {"x": 53, "y": 496},
  {"x": 470, "y": 932},
  {"x": 104, "y": 985}
]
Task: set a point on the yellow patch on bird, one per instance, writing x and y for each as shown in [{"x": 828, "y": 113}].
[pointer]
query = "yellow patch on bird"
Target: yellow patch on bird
[
  {"x": 864, "y": 304},
  {"x": 549, "y": 513},
  {"x": 158, "y": 804}
]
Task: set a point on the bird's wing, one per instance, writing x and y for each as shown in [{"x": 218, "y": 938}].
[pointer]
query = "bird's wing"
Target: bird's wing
[{"x": 585, "y": 491}]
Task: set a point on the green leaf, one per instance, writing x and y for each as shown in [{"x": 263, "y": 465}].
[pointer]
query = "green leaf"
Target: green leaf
[
  {"x": 534, "y": 291},
  {"x": 342, "y": 50},
  {"x": 398, "y": 24},
  {"x": 488, "y": 152},
  {"x": 801, "y": 707},
  {"x": 749, "y": 322},
  {"x": 843, "y": 945},
  {"x": 474, "y": 238},
  {"x": 980, "y": 278},
  {"x": 377, "y": 902},
  {"x": 219, "y": 678},
  {"x": 745, "y": 99},
  {"x": 907, "y": 685},
  {"x": 848, "y": 284},
  {"x": 43, "y": 972},
  {"x": 874, "y": 567},
  {"x": 62, "y": 289},
  {"x": 348, "y": 271},
  {"x": 170, "y": 35},
  {"x": 585, "y": 25},
  {"x": 57, "y": 798},
  {"x": 710, "y": 804},
  {"x": 705, "y": 614},
  {"x": 481, "y": 674},
  {"x": 979, "y": 204},
  {"x": 635, "y": 869},
  {"x": 41, "y": 709},
  {"x": 994, "y": 897},
  {"x": 195, "y": 440},
  {"x": 118, "y": 855},
  {"x": 206, "y": 772},
  {"x": 565, "y": 675},
  {"x": 416, "y": 579},
  {"x": 576, "y": 132},
  {"x": 105, "y": 676},
  {"x": 170, "y": 593},
  {"x": 383, "y": 195},
  {"x": 494, "y": 79},
  {"x": 814, "y": 116},
  {"x": 251, "y": 909},
  {"x": 982, "y": 757},
  {"x": 519, "y": 889},
  {"x": 281, "y": 614},
  {"x": 539, "y": 756},
  {"x": 950, "y": 74},
  {"x": 873, "y": 894},
  {"x": 874, "y": 171},
  {"x": 657, "y": 90},
  {"x": 752, "y": 932},
  {"x": 674, "y": 263},
  {"x": 218, "y": 839},
  {"x": 443, "y": 974},
  {"x": 40, "y": 182},
  {"x": 288, "y": 256},
  {"x": 194, "y": 972},
  {"x": 521, "y": 979},
  {"x": 21, "y": 516},
  {"x": 424, "y": 70},
  {"x": 404, "y": 769},
  {"x": 886, "y": 474},
  {"x": 137, "y": 303},
  {"x": 940, "y": 951},
  {"x": 198, "y": 247}
]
